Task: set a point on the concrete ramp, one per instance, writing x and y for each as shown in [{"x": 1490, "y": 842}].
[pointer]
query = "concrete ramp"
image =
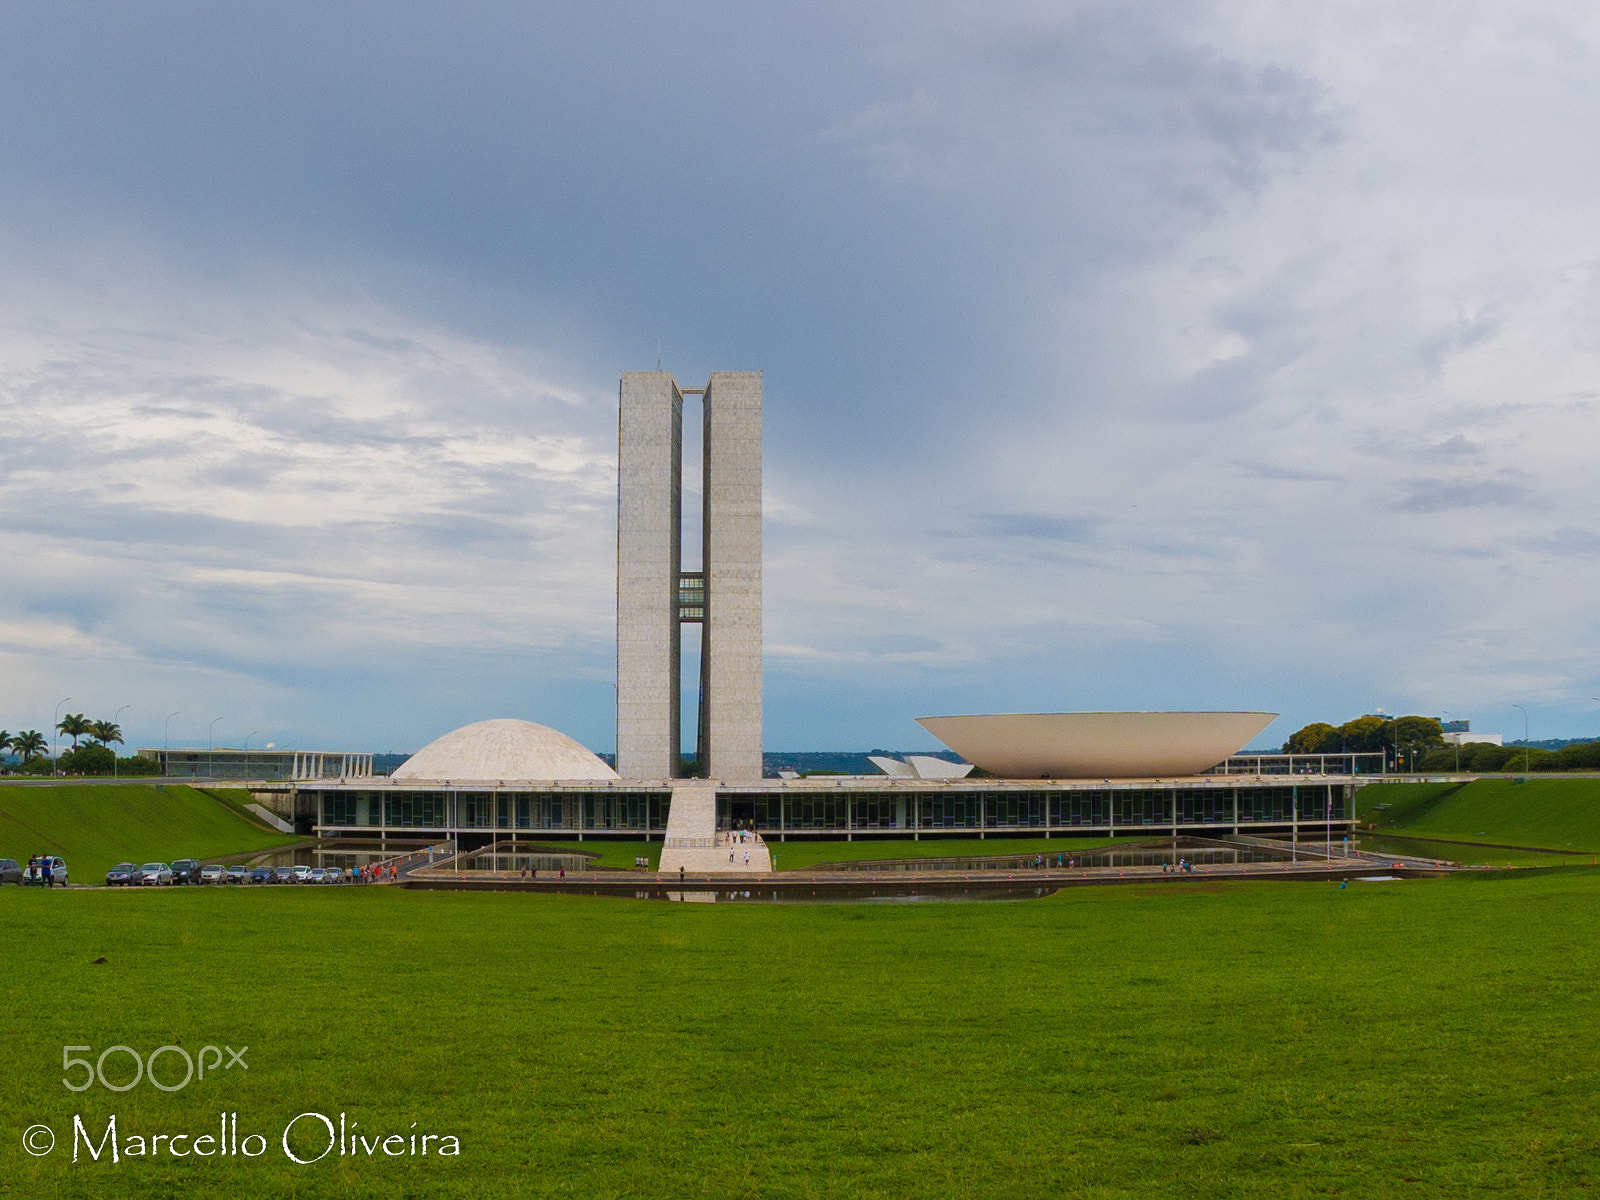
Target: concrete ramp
[
  {"x": 271, "y": 818},
  {"x": 693, "y": 844}
]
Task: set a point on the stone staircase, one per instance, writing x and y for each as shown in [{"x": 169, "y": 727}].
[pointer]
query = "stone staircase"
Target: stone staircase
[{"x": 693, "y": 843}]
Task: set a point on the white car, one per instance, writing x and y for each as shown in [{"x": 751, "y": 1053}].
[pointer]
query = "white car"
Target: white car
[
  {"x": 154, "y": 874},
  {"x": 301, "y": 873},
  {"x": 213, "y": 873}
]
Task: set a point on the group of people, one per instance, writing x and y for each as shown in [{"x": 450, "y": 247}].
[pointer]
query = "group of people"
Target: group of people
[
  {"x": 378, "y": 872},
  {"x": 1182, "y": 867},
  {"x": 41, "y": 868},
  {"x": 1041, "y": 861}
]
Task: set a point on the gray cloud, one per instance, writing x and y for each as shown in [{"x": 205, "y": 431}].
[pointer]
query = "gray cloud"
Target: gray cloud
[
  {"x": 1042, "y": 527},
  {"x": 1442, "y": 495},
  {"x": 309, "y": 336}
]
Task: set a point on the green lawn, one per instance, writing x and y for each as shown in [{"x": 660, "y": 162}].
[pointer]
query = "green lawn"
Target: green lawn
[
  {"x": 1463, "y": 853},
  {"x": 96, "y": 826},
  {"x": 1426, "y": 1038},
  {"x": 1555, "y": 814}
]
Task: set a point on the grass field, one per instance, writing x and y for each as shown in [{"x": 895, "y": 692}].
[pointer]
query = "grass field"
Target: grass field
[
  {"x": 95, "y": 826},
  {"x": 1426, "y": 1038},
  {"x": 1556, "y": 814},
  {"x": 1468, "y": 854}
]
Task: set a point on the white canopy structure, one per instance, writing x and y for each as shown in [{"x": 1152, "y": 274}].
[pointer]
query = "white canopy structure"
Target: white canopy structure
[{"x": 1097, "y": 745}]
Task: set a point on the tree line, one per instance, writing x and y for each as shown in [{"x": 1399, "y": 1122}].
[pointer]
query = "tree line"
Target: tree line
[
  {"x": 1418, "y": 742},
  {"x": 94, "y": 756}
]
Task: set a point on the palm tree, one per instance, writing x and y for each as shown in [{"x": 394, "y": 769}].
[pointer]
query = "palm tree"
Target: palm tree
[
  {"x": 105, "y": 732},
  {"x": 5, "y": 742},
  {"x": 74, "y": 725},
  {"x": 30, "y": 743}
]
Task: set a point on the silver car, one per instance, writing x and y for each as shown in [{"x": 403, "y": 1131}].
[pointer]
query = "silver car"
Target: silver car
[
  {"x": 213, "y": 873},
  {"x": 154, "y": 874}
]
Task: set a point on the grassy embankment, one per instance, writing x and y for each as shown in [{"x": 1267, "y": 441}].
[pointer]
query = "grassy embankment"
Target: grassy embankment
[
  {"x": 1429, "y": 1038},
  {"x": 1540, "y": 814},
  {"x": 96, "y": 826}
]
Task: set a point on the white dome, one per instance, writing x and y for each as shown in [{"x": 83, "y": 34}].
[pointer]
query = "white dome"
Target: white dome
[{"x": 504, "y": 749}]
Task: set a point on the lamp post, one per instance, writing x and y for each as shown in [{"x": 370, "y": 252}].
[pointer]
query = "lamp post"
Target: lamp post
[
  {"x": 211, "y": 748},
  {"x": 114, "y": 717},
  {"x": 55, "y": 721},
  {"x": 166, "y": 748},
  {"x": 1526, "y": 750}
]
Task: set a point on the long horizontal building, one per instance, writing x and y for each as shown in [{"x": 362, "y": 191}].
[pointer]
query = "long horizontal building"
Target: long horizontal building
[
  {"x": 228, "y": 762},
  {"x": 473, "y": 787},
  {"x": 780, "y": 809}
]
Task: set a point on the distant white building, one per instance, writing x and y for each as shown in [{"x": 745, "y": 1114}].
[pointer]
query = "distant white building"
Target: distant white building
[
  {"x": 1466, "y": 735},
  {"x": 920, "y": 766},
  {"x": 1459, "y": 733}
]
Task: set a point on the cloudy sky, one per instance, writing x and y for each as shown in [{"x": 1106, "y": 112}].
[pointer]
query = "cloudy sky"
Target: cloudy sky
[{"x": 1123, "y": 355}]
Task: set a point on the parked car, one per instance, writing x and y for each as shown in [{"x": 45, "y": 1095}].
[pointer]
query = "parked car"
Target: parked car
[
  {"x": 302, "y": 872},
  {"x": 316, "y": 875},
  {"x": 10, "y": 872},
  {"x": 122, "y": 875},
  {"x": 237, "y": 875},
  {"x": 33, "y": 875},
  {"x": 186, "y": 870},
  {"x": 213, "y": 873},
  {"x": 263, "y": 875},
  {"x": 154, "y": 874},
  {"x": 286, "y": 875}
]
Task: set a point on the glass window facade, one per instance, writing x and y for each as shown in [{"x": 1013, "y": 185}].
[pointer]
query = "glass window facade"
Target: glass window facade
[{"x": 841, "y": 810}]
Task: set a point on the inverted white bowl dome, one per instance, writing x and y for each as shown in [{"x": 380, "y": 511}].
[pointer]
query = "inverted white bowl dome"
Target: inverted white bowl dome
[
  {"x": 503, "y": 749},
  {"x": 1106, "y": 745}
]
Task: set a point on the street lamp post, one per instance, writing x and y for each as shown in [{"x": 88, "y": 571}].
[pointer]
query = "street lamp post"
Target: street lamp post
[
  {"x": 114, "y": 717},
  {"x": 166, "y": 747},
  {"x": 211, "y": 748},
  {"x": 1526, "y": 749},
  {"x": 55, "y": 722}
]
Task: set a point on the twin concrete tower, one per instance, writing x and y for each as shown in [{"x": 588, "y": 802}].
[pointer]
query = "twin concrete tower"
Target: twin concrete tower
[{"x": 656, "y": 597}]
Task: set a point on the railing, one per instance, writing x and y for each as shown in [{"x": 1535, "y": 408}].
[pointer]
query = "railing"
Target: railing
[
  {"x": 1344, "y": 763},
  {"x": 682, "y": 843}
]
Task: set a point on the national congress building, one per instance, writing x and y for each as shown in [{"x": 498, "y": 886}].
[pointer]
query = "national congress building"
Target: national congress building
[{"x": 1085, "y": 774}]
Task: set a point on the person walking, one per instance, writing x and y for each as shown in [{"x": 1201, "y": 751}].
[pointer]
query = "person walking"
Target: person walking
[
  {"x": 747, "y": 858},
  {"x": 49, "y": 872}
]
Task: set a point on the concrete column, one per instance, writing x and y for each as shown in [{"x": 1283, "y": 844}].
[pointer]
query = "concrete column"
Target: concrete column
[
  {"x": 730, "y": 714},
  {"x": 649, "y": 560}
]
